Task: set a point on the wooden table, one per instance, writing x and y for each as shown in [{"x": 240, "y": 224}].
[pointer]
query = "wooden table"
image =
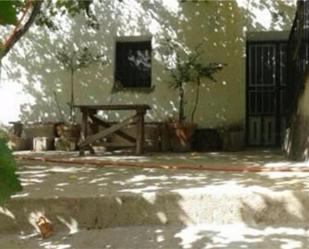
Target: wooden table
[{"x": 89, "y": 115}]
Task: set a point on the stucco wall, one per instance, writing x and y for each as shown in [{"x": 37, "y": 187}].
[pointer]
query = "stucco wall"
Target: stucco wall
[{"x": 31, "y": 74}]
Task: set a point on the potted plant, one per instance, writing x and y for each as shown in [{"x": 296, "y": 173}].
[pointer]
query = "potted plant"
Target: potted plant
[
  {"x": 180, "y": 131},
  {"x": 186, "y": 68},
  {"x": 73, "y": 61}
]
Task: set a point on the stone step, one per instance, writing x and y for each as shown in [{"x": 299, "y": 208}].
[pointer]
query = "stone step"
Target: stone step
[
  {"x": 164, "y": 237},
  {"x": 217, "y": 206},
  {"x": 98, "y": 198}
]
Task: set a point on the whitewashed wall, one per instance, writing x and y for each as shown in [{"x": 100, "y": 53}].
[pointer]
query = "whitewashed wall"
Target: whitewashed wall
[
  {"x": 31, "y": 74},
  {"x": 303, "y": 103}
]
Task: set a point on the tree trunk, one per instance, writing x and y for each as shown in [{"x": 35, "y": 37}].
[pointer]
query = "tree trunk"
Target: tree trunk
[
  {"x": 197, "y": 98},
  {"x": 72, "y": 114},
  {"x": 296, "y": 144},
  {"x": 181, "y": 104},
  {"x": 297, "y": 139}
]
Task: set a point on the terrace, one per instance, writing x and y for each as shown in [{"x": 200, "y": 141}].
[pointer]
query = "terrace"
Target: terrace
[{"x": 214, "y": 193}]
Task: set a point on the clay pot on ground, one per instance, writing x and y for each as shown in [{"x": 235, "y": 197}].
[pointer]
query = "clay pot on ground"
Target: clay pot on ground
[
  {"x": 68, "y": 130},
  {"x": 180, "y": 134},
  {"x": 68, "y": 137}
]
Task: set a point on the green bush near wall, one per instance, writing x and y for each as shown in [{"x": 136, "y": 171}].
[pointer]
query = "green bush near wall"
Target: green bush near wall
[
  {"x": 9, "y": 182},
  {"x": 3, "y": 134}
]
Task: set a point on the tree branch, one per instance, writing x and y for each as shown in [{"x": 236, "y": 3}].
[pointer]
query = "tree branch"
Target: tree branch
[{"x": 21, "y": 31}]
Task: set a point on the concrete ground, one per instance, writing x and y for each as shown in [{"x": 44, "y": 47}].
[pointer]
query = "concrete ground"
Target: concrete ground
[
  {"x": 167, "y": 237},
  {"x": 125, "y": 207}
]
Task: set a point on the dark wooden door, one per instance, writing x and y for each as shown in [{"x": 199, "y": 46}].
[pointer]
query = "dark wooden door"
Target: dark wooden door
[{"x": 266, "y": 91}]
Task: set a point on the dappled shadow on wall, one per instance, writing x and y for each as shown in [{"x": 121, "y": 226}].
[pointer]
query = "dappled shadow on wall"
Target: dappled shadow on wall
[{"x": 46, "y": 84}]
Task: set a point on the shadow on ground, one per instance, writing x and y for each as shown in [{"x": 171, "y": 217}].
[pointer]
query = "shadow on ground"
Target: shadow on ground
[{"x": 128, "y": 207}]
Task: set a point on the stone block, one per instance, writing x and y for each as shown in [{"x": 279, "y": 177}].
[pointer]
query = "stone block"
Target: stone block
[
  {"x": 39, "y": 130},
  {"x": 18, "y": 143},
  {"x": 43, "y": 143},
  {"x": 65, "y": 144}
]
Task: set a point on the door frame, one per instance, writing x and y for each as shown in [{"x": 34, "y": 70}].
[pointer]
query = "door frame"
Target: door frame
[{"x": 278, "y": 115}]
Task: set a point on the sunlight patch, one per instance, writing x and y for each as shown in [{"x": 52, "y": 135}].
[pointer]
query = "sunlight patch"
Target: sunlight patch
[
  {"x": 50, "y": 245},
  {"x": 72, "y": 224},
  {"x": 141, "y": 190},
  {"x": 20, "y": 195},
  {"x": 162, "y": 217},
  {"x": 7, "y": 212},
  {"x": 150, "y": 197},
  {"x": 171, "y": 5},
  {"x": 188, "y": 236}
]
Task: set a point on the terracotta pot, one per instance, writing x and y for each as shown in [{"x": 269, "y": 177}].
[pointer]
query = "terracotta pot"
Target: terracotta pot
[
  {"x": 181, "y": 135},
  {"x": 68, "y": 130}
]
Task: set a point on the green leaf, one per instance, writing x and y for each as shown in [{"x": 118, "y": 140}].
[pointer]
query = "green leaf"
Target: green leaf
[
  {"x": 9, "y": 183},
  {"x": 1, "y": 49},
  {"x": 7, "y": 13}
]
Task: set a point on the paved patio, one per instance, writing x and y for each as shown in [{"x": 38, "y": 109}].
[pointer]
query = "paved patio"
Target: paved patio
[{"x": 101, "y": 206}]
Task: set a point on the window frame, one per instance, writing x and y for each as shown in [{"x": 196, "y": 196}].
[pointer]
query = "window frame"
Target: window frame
[{"x": 117, "y": 86}]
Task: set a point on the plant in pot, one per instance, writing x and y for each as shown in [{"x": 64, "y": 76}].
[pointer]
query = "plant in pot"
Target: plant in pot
[
  {"x": 186, "y": 68},
  {"x": 73, "y": 61}
]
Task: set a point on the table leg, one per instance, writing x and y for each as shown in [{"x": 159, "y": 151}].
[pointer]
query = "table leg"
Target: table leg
[
  {"x": 84, "y": 131},
  {"x": 140, "y": 133},
  {"x": 91, "y": 150}
]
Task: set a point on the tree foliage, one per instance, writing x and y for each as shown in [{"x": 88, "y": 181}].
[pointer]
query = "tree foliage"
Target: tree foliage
[
  {"x": 41, "y": 13},
  {"x": 65, "y": 7},
  {"x": 7, "y": 13},
  {"x": 188, "y": 67}
]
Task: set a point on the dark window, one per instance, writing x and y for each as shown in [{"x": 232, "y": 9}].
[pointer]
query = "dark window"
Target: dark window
[{"x": 133, "y": 64}]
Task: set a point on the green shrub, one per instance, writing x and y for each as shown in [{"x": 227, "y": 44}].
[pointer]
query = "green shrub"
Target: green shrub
[
  {"x": 3, "y": 134},
  {"x": 9, "y": 182}
]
